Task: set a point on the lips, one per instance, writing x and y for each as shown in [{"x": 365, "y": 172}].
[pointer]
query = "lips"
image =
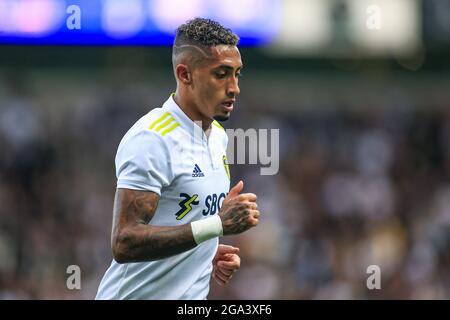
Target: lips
[{"x": 228, "y": 105}]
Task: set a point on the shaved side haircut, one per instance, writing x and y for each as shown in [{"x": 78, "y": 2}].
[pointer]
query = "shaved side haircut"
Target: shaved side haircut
[{"x": 194, "y": 39}]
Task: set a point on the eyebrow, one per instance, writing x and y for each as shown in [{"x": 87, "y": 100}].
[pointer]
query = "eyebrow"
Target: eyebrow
[{"x": 225, "y": 66}]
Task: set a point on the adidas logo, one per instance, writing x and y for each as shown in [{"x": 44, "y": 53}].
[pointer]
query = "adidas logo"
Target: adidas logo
[{"x": 197, "y": 172}]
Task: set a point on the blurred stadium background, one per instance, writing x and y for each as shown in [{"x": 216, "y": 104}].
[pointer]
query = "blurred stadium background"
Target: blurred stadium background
[{"x": 359, "y": 90}]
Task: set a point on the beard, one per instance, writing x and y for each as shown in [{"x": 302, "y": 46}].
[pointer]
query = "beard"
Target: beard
[{"x": 221, "y": 118}]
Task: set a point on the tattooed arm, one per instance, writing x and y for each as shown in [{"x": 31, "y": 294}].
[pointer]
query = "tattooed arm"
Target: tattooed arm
[{"x": 134, "y": 240}]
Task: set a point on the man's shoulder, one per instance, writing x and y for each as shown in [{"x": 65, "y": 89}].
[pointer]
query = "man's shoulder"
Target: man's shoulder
[
  {"x": 161, "y": 122},
  {"x": 216, "y": 124},
  {"x": 157, "y": 123},
  {"x": 221, "y": 130},
  {"x": 156, "y": 130}
]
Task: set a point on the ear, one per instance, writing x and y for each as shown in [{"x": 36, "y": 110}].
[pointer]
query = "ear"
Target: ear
[{"x": 183, "y": 74}]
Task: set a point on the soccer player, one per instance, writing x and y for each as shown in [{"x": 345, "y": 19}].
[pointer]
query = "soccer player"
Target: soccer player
[{"x": 172, "y": 201}]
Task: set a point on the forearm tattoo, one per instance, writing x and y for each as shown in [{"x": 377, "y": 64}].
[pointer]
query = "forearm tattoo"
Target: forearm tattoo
[{"x": 134, "y": 239}]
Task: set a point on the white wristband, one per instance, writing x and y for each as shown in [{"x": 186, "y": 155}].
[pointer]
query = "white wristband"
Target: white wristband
[{"x": 206, "y": 229}]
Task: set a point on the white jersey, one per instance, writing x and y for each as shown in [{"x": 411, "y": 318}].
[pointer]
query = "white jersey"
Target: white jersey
[{"x": 167, "y": 153}]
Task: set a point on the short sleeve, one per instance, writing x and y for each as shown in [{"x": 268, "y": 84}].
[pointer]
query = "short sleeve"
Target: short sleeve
[{"x": 143, "y": 163}]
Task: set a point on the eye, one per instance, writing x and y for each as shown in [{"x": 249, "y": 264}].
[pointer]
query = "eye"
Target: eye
[{"x": 221, "y": 75}]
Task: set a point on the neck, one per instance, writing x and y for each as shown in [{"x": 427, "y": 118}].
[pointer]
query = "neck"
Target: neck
[{"x": 192, "y": 111}]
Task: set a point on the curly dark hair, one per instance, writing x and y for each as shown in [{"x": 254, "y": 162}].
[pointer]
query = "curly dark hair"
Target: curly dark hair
[{"x": 204, "y": 32}]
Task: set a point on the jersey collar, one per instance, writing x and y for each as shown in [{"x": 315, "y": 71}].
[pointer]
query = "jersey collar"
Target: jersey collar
[{"x": 182, "y": 118}]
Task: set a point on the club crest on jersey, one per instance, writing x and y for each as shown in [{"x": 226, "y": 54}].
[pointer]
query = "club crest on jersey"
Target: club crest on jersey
[{"x": 197, "y": 172}]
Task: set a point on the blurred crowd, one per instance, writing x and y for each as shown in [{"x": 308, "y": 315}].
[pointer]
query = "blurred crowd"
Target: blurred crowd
[{"x": 355, "y": 188}]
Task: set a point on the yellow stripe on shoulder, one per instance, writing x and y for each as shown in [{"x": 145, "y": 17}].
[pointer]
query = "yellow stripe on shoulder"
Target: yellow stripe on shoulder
[
  {"x": 154, "y": 123},
  {"x": 164, "y": 124},
  {"x": 173, "y": 126},
  {"x": 217, "y": 124}
]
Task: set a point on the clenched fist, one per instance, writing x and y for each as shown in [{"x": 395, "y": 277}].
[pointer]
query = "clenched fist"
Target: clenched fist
[
  {"x": 225, "y": 264},
  {"x": 239, "y": 212}
]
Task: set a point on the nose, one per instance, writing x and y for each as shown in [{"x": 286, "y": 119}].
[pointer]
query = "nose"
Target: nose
[{"x": 233, "y": 87}]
